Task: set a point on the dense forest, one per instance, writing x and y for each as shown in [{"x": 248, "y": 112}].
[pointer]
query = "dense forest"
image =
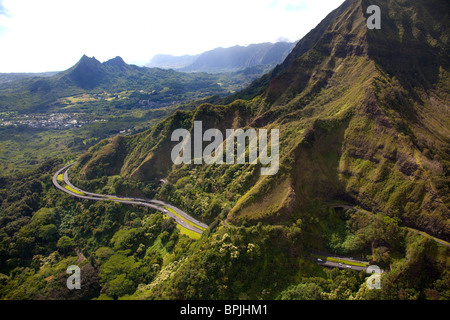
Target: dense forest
[
  {"x": 364, "y": 162},
  {"x": 132, "y": 253}
]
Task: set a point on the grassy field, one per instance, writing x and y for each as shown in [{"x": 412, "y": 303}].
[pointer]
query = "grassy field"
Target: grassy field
[
  {"x": 189, "y": 233},
  {"x": 73, "y": 190}
]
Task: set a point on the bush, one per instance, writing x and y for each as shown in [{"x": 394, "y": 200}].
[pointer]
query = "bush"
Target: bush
[
  {"x": 304, "y": 291},
  {"x": 65, "y": 244},
  {"x": 119, "y": 286}
]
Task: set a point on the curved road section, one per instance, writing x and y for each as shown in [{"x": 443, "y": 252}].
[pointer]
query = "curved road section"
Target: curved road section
[{"x": 180, "y": 217}]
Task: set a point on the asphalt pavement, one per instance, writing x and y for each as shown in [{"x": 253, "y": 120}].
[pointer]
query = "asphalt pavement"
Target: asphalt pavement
[{"x": 180, "y": 217}]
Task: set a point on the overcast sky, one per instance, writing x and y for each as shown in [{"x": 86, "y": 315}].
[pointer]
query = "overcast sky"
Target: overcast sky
[{"x": 52, "y": 35}]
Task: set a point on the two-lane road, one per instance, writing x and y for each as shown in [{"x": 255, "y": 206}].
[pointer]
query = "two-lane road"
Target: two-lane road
[{"x": 180, "y": 217}]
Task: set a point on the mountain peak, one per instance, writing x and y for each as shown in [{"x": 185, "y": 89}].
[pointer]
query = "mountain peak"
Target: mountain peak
[
  {"x": 86, "y": 59},
  {"x": 116, "y": 62},
  {"x": 87, "y": 73}
]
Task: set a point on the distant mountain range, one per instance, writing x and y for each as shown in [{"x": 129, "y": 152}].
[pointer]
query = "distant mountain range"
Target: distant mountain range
[
  {"x": 40, "y": 92},
  {"x": 231, "y": 59}
]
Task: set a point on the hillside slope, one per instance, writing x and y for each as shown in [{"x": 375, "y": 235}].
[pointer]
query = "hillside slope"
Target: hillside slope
[{"x": 363, "y": 119}]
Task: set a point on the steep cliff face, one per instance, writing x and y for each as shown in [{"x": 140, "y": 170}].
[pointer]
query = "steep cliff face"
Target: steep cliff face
[{"x": 363, "y": 119}]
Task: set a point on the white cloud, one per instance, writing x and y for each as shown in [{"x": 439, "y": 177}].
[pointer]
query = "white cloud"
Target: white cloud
[{"x": 53, "y": 34}]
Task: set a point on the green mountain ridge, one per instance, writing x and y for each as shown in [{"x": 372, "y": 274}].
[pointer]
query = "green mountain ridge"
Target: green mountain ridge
[{"x": 351, "y": 129}]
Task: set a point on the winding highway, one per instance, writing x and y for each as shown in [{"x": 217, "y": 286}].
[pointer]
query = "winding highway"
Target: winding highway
[
  {"x": 180, "y": 217},
  {"x": 333, "y": 261}
]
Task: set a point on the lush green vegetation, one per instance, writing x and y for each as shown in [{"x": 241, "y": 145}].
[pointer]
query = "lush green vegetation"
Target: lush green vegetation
[
  {"x": 126, "y": 99},
  {"x": 346, "y": 136},
  {"x": 131, "y": 253},
  {"x": 352, "y": 131},
  {"x": 43, "y": 232}
]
